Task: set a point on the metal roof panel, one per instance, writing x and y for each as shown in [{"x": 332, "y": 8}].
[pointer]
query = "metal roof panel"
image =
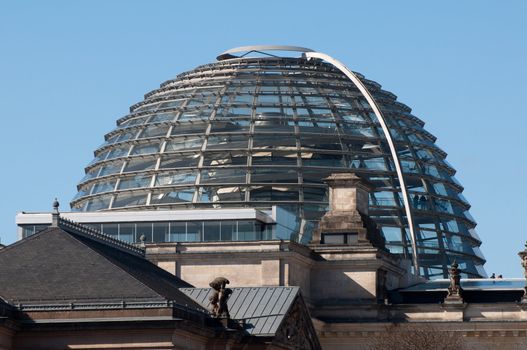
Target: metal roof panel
[{"x": 262, "y": 308}]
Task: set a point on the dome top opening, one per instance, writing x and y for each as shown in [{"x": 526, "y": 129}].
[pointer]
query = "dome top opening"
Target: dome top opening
[{"x": 260, "y": 49}]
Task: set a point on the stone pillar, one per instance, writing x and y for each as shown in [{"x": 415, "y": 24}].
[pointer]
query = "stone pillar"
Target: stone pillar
[
  {"x": 347, "y": 221},
  {"x": 348, "y": 193},
  {"x": 355, "y": 266},
  {"x": 55, "y": 214}
]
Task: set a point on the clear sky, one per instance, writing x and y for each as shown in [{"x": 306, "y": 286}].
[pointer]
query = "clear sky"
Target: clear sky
[{"x": 70, "y": 69}]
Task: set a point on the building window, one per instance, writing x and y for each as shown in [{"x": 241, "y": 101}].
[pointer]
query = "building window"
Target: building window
[{"x": 340, "y": 238}]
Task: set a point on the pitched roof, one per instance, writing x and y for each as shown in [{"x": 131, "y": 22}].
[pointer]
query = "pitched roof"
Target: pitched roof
[
  {"x": 62, "y": 264},
  {"x": 262, "y": 309}
]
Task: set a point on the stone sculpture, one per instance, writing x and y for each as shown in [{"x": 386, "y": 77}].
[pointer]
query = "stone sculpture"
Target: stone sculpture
[
  {"x": 454, "y": 290},
  {"x": 454, "y": 295},
  {"x": 219, "y": 297},
  {"x": 523, "y": 257}
]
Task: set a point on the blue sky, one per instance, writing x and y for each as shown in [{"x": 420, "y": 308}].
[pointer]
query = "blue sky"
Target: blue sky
[{"x": 70, "y": 69}]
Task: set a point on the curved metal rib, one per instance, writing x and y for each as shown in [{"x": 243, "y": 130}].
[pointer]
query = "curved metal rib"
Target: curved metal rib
[{"x": 362, "y": 88}]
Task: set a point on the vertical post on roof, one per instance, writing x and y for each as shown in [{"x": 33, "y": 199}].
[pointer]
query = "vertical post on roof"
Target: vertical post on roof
[
  {"x": 362, "y": 88},
  {"x": 55, "y": 214}
]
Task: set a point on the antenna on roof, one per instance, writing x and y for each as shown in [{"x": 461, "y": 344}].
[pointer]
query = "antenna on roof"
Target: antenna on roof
[{"x": 55, "y": 214}]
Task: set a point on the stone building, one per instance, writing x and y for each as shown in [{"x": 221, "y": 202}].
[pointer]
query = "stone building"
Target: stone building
[
  {"x": 309, "y": 187},
  {"x": 354, "y": 288},
  {"x": 69, "y": 286}
]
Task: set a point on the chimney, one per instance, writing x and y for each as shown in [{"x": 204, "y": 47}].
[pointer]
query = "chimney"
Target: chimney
[
  {"x": 348, "y": 193},
  {"x": 347, "y": 221}
]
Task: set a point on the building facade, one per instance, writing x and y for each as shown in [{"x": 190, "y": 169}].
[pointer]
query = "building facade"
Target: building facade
[
  {"x": 292, "y": 171},
  {"x": 357, "y": 292},
  {"x": 71, "y": 287}
]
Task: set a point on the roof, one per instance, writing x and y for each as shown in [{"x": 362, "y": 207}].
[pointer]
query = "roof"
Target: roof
[
  {"x": 4, "y": 306},
  {"x": 262, "y": 309},
  {"x": 68, "y": 269},
  {"x": 479, "y": 284},
  {"x": 482, "y": 290},
  {"x": 134, "y": 216},
  {"x": 59, "y": 265}
]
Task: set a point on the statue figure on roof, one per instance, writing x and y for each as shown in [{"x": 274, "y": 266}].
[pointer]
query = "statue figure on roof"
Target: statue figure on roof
[
  {"x": 454, "y": 289},
  {"x": 524, "y": 265},
  {"x": 523, "y": 257},
  {"x": 219, "y": 297}
]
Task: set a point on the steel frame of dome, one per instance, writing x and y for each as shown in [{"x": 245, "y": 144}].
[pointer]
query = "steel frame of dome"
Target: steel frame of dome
[
  {"x": 389, "y": 139},
  {"x": 275, "y": 96}
]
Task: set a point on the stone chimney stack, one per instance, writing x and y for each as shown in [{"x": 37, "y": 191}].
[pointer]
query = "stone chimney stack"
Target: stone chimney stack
[
  {"x": 347, "y": 221},
  {"x": 355, "y": 265},
  {"x": 348, "y": 193}
]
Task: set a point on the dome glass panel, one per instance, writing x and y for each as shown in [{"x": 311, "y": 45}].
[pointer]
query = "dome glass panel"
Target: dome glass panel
[{"x": 264, "y": 131}]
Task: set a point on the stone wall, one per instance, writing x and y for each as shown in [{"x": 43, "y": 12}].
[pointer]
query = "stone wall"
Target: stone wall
[
  {"x": 474, "y": 336},
  {"x": 345, "y": 273},
  {"x": 343, "y": 283},
  {"x": 245, "y": 264}
]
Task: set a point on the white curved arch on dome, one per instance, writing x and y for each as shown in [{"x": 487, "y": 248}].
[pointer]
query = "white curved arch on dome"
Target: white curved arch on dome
[
  {"x": 362, "y": 88},
  {"x": 263, "y": 48}
]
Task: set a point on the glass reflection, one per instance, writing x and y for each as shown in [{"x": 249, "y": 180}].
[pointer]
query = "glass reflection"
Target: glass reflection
[{"x": 250, "y": 133}]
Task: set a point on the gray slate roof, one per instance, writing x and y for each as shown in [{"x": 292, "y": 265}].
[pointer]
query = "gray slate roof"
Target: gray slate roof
[
  {"x": 56, "y": 266},
  {"x": 262, "y": 308}
]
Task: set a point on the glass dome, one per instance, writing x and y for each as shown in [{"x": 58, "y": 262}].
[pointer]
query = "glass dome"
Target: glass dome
[{"x": 262, "y": 131}]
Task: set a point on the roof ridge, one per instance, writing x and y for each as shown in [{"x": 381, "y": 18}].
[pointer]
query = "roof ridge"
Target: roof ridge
[{"x": 98, "y": 236}]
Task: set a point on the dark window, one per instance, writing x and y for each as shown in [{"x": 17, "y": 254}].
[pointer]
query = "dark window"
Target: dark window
[{"x": 339, "y": 238}]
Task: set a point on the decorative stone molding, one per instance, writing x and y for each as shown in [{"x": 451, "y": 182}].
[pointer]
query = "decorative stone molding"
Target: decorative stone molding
[{"x": 296, "y": 330}]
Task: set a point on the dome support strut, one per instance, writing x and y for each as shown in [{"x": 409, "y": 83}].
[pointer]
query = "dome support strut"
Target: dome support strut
[{"x": 364, "y": 91}]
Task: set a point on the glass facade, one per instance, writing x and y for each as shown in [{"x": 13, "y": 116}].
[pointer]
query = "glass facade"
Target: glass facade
[
  {"x": 180, "y": 231},
  {"x": 257, "y": 132}
]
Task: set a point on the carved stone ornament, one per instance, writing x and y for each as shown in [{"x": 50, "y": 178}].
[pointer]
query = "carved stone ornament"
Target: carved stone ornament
[
  {"x": 296, "y": 330},
  {"x": 219, "y": 297},
  {"x": 455, "y": 280},
  {"x": 454, "y": 289}
]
